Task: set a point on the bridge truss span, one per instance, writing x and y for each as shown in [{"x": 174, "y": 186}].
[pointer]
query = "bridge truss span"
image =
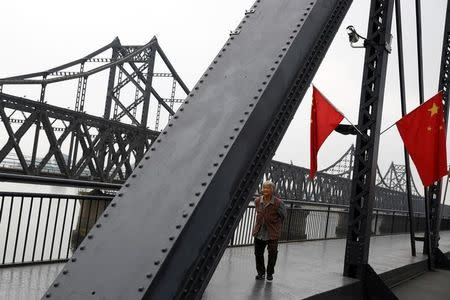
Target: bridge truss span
[
  {"x": 99, "y": 139},
  {"x": 84, "y": 141},
  {"x": 237, "y": 113},
  {"x": 332, "y": 184}
]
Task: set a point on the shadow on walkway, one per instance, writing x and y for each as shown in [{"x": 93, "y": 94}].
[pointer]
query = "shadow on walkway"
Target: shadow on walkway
[{"x": 431, "y": 285}]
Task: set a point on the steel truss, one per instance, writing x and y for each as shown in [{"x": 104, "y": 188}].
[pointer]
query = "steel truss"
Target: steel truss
[
  {"x": 229, "y": 128},
  {"x": 128, "y": 66},
  {"x": 366, "y": 152},
  {"x": 85, "y": 147},
  {"x": 333, "y": 184},
  {"x": 435, "y": 190},
  {"x": 109, "y": 148}
]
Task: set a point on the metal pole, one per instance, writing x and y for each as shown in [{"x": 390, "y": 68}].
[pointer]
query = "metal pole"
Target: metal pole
[
  {"x": 443, "y": 200},
  {"x": 398, "y": 17},
  {"x": 289, "y": 222},
  {"x": 427, "y": 244},
  {"x": 419, "y": 49}
]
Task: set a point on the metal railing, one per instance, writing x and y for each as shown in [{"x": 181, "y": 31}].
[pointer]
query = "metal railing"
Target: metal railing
[
  {"x": 316, "y": 221},
  {"x": 43, "y": 228},
  {"x": 40, "y": 228}
]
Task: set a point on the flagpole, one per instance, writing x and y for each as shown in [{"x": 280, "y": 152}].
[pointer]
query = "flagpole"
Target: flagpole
[
  {"x": 401, "y": 72},
  {"x": 356, "y": 128},
  {"x": 388, "y": 128},
  {"x": 427, "y": 244}
]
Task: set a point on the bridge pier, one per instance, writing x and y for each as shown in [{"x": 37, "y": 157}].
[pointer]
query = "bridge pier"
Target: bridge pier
[
  {"x": 89, "y": 212},
  {"x": 341, "y": 227}
]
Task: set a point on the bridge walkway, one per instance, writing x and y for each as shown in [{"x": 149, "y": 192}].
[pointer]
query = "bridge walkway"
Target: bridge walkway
[
  {"x": 303, "y": 269},
  {"x": 431, "y": 285}
]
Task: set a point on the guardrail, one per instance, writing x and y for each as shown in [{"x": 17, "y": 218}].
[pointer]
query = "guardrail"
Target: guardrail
[
  {"x": 317, "y": 221},
  {"x": 44, "y": 228},
  {"x": 41, "y": 228}
]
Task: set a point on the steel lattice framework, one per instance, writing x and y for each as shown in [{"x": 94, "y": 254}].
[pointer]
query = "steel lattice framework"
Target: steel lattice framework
[
  {"x": 330, "y": 186},
  {"x": 333, "y": 184},
  {"x": 434, "y": 193},
  {"x": 109, "y": 147},
  {"x": 366, "y": 151},
  {"x": 237, "y": 113},
  {"x": 86, "y": 147},
  {"x": 229, "y": 127}
]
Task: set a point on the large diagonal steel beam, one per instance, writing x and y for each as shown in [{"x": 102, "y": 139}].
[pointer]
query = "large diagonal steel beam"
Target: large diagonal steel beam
[
  {"x": 88, "y": 153},
  {"x": 159, "y": 240}
]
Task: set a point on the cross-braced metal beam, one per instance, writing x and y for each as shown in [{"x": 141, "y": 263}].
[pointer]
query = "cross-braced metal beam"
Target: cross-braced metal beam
[
  {"x": 366, "y": 151},
  {"x": 96, "y": 139},
  {"x": 81, "y": 148},
  {"x": 136, "y": 64}
]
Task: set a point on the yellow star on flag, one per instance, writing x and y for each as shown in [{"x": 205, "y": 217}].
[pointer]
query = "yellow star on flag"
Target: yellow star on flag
[
  {"x": 433, "y": 110},
  {"x": 423, "y": 133}
]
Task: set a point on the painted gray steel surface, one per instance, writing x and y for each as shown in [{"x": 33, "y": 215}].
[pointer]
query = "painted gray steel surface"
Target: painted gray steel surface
[{"x": 160, "y": 240}]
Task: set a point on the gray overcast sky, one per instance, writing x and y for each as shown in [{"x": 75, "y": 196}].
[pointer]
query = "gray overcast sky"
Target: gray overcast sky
[{"x": 37, "y": 35}]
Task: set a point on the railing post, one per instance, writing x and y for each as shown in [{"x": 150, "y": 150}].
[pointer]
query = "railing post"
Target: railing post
[
  {"x": 406, "y": 223},
  {"x": 393, "y": 221},
  {"x": 328, "y": 218},
  {"x": 232, "y": 238},
  {"x": 376, "y": 223},
  {"x": 289, "y": 222}
]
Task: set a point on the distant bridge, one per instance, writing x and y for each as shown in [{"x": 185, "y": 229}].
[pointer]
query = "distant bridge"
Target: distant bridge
[
  {"x": 85, "y": 150},
  {"x": 140, "y": 86}
]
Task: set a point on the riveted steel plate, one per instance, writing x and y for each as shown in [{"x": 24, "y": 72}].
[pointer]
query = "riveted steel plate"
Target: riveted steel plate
[{"x": 170, "y": 209}]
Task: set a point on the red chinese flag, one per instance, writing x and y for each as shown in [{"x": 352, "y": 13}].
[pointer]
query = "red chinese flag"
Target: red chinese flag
[
  {"x": 324, "y": 119},
  {"x": 423, "y": 133}
]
